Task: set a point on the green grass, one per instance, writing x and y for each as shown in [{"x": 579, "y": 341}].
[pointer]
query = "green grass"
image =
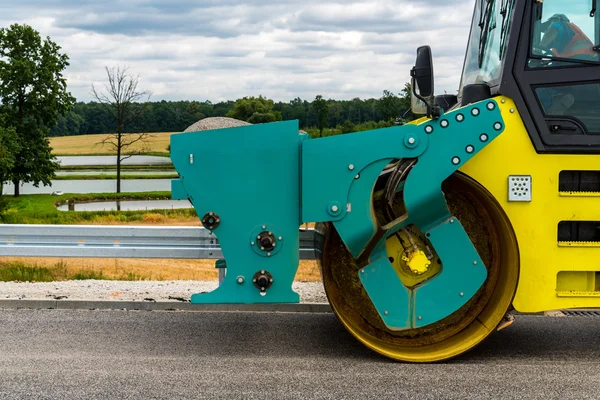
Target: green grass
[
  {"x": 23, "y": 272},
  {"x": 112, "y": 176},
  {"x": 41, "y": 208}
]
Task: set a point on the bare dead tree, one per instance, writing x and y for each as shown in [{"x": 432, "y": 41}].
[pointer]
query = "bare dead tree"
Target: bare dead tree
[{"x": 122, "y": 100}]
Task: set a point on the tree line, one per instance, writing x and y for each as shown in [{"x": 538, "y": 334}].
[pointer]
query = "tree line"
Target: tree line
[{"x": 175, "y": 116}]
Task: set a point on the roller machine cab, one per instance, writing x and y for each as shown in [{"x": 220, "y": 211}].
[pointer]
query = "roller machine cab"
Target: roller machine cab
[{"x": 431, "y": 233}]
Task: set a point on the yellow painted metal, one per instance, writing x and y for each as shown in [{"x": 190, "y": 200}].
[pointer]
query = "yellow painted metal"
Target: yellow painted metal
[
  {"x": 417, "y": 262},
  {"x": 578, "y": 244},
  {"x": 536, "y": 223},
  {"x": 398, "y": 254},
  {"x": 579, "y": 194}
]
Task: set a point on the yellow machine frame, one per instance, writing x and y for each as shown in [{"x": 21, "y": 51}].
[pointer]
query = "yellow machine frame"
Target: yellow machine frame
[{"x": 553, "y": 275}]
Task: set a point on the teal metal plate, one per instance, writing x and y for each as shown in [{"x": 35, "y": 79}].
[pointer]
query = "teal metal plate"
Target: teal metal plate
[
  {"x": 250, "y": 177},
  {"x": 389, "y": 296},
  {"x": 463, "y": 273}
]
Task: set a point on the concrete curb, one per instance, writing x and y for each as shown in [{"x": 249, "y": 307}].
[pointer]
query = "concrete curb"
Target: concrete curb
[{"x": 162, "y": 306}]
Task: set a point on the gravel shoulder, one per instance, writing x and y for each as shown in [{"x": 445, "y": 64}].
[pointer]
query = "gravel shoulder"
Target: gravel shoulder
[{"x": 93, "y": 290}]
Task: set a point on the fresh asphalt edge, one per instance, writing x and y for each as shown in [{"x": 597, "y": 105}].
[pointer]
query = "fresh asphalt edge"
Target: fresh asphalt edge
[{"x": 162, "y": 306}]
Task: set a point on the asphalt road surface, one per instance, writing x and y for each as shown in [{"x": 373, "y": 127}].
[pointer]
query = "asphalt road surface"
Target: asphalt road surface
[{"x": 57, "y": 354}]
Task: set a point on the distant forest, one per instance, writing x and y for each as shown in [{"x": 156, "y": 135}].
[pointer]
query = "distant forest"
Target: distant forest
[{"x": 340, "y": 116}]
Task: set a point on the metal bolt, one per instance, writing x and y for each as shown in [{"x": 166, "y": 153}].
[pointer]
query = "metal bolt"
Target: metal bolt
[
  {"x": 240, "y": 280},
  {"x": 335, "y": 209},
  {"x": 254, "y": 280},
  {"x": 268, "y": 254},
  {"x": 386, "y": 313},
  {"x": 470, "y": 149},
  {"x": 474, "y": 262},
  {"x": 351, "y": 167},
  {"x": 258, "y": 237},
  {"x": 251, "y": 243},
  {"x": 191, "y": 158},
  {"x": 264, "y": 227},
  {"x": 497, "y": 126},
  {"x": 461, "y": 294},
  {"x": 362, "y": 271},
  {"x": 280, "y": 238},
  {"x": 491, "y": 106},
  {"x": 429, "y": 129},
  {"x": 262, "y": 271},
  {"x": 420, "y": 318},
  {"x": 411, "y": 140},
  {"x": 263, "y": 293},
  {"x": 271, "y": 280},
  {"x": 460, "y": 118},
  {"x": 262, "y": 248},
  {"x": 451, "y": 221},
  {"x": 274, "y": 244},
  {"x": 503, "y": 101},
  {"x": 512, "y": 110},
  {"x": 445, "y": 124},
  {"x": 483, "y": 137},
  {"x": 475, "y": 112},
  {"x": 455, "y": 160},
  {"x": 357, "y": 176}
]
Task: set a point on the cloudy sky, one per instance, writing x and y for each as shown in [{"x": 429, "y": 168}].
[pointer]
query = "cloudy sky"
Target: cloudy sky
[{"x": 225, "y": 49}]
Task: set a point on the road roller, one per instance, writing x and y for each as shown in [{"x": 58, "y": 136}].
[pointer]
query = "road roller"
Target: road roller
[{"x": 432, "y": 234}]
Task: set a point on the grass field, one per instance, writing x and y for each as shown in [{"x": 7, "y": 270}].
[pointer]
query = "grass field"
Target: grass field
[{"x": 89, "y": 144}]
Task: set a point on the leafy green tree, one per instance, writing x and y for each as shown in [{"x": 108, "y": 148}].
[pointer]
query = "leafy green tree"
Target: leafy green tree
[
  {"x": 33, "y": 94},
  {"x": 255, "y": 110},
  {"x": 389, "y": 105},
  {"x": 9, "y": 147},
  {"x": 322, "y": 111}
]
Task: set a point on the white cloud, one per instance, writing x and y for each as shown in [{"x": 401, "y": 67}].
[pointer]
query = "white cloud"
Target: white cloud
[{"x": 223, "y": 50}]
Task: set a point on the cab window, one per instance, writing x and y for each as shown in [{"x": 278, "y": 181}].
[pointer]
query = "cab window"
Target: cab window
[{"x": 565, "y": 34}]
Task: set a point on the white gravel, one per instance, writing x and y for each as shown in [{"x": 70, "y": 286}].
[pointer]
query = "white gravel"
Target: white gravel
[
  {"x": 210, "y": 123},
  {"x": 310, "y": 292}
]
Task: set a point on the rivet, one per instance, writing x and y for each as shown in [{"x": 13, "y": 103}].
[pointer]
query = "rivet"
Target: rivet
[
  {"x": 357, "y": 176},
  {"x": 262, "y": 248},
  {"x": 258, "y": 237},
  {"x": 470, "y": 149},
  {"x": 503, "y": 101},
  {"x": 512, "y": 110},
  {"x": 420, "y": 317},
  {"x": 262, "y": 271},
  {"x": 475, "y": 112},
  {"x": 268, "y": 254},
  {"x": 251, "y": 243},
  {"x": 362, "y": 271},
  {"x": 254, "y": 280},
  {"x": 483, "y": 137},
  {"x": 386, "y": 313},
  {"x": 264, "y": 227},
  {"x": 474, "y": 262},
  {"x": 280, "y": 237},
  {"x": 263, "y": 293},
  {"x": 351, "y": 167},
  {"x": 461, "y": 294},
  {"x": 429, "y": 129},
  {"x": 455, "y": 160},
  {"x": 452, "y": 220}
]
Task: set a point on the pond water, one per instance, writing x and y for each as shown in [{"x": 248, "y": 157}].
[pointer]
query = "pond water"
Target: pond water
[
  {"x": 127, "y": 205},
  {"x": 114, "y": 172},
  {"x": 71, "y": 161},
  {"x": 94, "y": 186}
]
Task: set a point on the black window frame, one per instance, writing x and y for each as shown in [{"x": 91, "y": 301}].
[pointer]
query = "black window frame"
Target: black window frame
[{"x": 519, "y": 83}]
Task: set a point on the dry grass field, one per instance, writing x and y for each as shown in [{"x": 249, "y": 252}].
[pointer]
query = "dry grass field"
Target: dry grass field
[{"x": 89, "y": 144}]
